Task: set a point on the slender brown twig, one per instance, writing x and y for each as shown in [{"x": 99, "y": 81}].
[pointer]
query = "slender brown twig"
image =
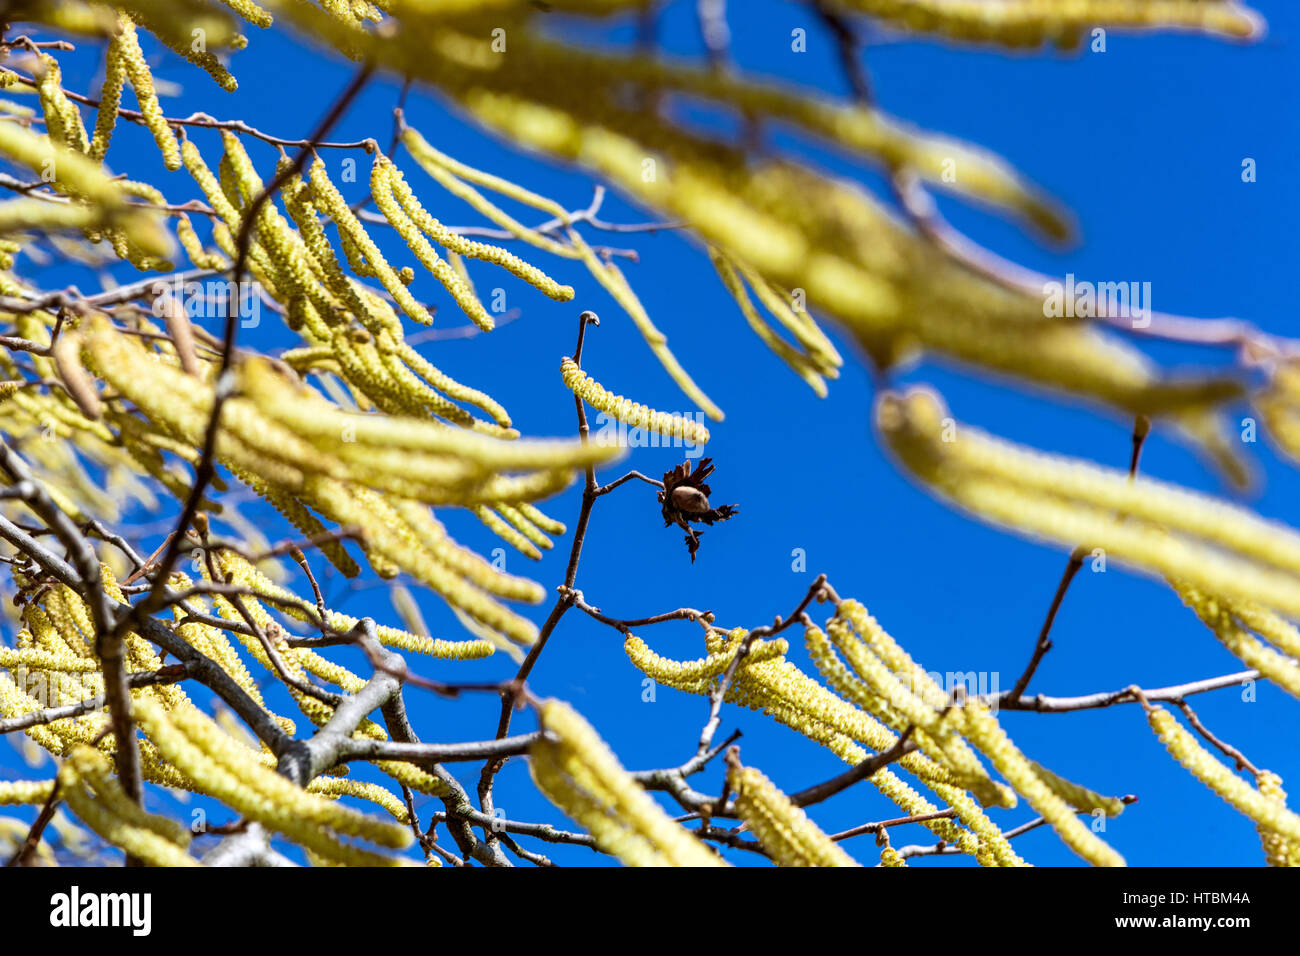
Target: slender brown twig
[
  {"x": 1229, "y": 751},
  {"x": 33, "y": 840}
]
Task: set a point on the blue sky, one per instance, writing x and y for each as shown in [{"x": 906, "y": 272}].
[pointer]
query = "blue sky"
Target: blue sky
[{"x": 1143, "y": 142}]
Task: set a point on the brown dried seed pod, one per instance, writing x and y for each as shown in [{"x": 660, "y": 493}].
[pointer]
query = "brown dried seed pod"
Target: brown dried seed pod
[
  {"x": 685, "y": 498},
  {"x": 690, "y": 499},
  {"x": 180, "y": 329},
  {"x": 78, "y": 382}
]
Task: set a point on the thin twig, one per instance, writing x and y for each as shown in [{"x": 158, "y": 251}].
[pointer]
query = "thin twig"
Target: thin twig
[
  {"x": 1223, "y": 746},
  {"x": 33, "y": 840},
  {"x": 1041, "y": 704}
]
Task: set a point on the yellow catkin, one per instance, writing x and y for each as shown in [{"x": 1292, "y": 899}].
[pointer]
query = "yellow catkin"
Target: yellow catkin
[
  {"x": 308, "y": 414},
  {"x": 98, "y": 800},
  {"x": 281, "y": 450},
  {"x": 381, "y": 187},
  {"x": 889, "y": 857},
  {"x": 137, "y": 71},
  {"x": 1219, "y": 617},
  {"x": 39, "y": 659},
  {"x": 141, "y": 844},
  {"x": 1077, "y": 796},
  {"x": 1264, "y": 810},
  {"x": 94, "y": 769},
  {"x": 62, "y": 117},
  {"x": 1150, "y": 525},
  {"x": 245, "y": 574},
  {"x": 767, "y": 682},
  {"x": 679, "y": 673},
  {"x": 1279, "y": 407},
  {"x": 507, "y": 532},
  {"x": 983, "y": 731},
  {"x": 781, "y": 828},
  {"x": 251, "y": 12},
  {"x": 800, "y": 363},
  {"x": 57, "y": 737},
  {"x": 158, "y": 19},
  {"x": 450, "y": 173},
  {"x": 851, "y": 126},
  {"x": 80, "y": 386},
  {"x": 843, "y": 682},
  {"x": 101, "y": 202},
  {"x": 1033, "y": 23},
  {"x": 330, "y": 201},
  {"x": 798, "y": 228},
  {"x": 543, "y": 521},
  {"x": 461, "y": 246},
  {"x": 110, "y": 98},
  {"x": 201, "y": 750},
  {"x": 902, "y": 692},
  {"x": 525, "y": 526},
  {"x": 797, "y": 320},
  {"x": 193, "y": 246},
  {"x": 362, "y": 791},
  {"x": 452, "y": 388},
  {"x": 576, "y": 771},
  {"x": 629, "y": 412},
  {"x": 1278, "y": 851},
  {"x": 1278, "y": 631},
  {"x": 24, "y": 791}
]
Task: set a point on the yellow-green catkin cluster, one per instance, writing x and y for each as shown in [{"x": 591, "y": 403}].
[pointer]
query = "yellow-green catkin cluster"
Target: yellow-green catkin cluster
[
  {"x": 789, "y": 225},
  {"x": 765, "y": 681},
  {"x": 1021, "y": 24},
  {"x": 237, "y": 570},
  {"x": 815, "y": 359},
  {"x": 465, "y": 182},
  {"x": 780, "y": 827},
  {"x": 54, "y": 665},
  {"x": 124, "y": 63},
  {"x": 577, "y": 772},
  {"x": 877, "y": 692},
  {"x": 1232, "y": 625},
  {"x": 376, "y": 473},
  {"x": 398, "y": 203},
  {"x": 1278, "y": 850},
  {"x": 1278, "y": 404},
  {"x": 887, "y": 683},
  {"x": 87, "y": 783},
  {"x": 1040, "y": 791},
  {"x": 125, "y": 402},
  {"x": 221, "y": 766},
  {"x": 353, "y": 333},
  {"x": 97, "y": 201},
  {"x": 192, "y": 31},
  {"x": 299, "y": 662},
  {"x": 629, "y": 412},
  {"x": 127, "y": 50},
  {"x": 25, "y": 791},
  {"x": 1266, "y": 806},
  {"x": 878, "y": 675},
  {"x": 1153, "y": 526}
]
